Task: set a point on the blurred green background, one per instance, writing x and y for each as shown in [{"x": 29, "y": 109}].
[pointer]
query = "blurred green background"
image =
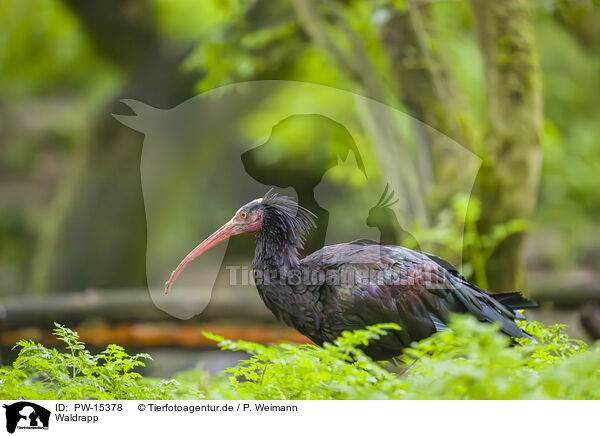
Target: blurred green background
[{"x": 514, "y": 82}]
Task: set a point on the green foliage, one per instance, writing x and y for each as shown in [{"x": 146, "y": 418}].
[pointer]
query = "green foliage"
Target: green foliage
[
  {"x": 63, "y": 54},
  {"x": 556, "y": 344},
  {"x": 474, "y": 361},
  {"x": 471, "y": 360},
  {"x": 307, "y": 372},
  {"x": 46, "y": 373}
]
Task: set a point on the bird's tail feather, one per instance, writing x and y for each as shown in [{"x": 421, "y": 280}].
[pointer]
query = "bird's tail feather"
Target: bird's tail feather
[{"x": 513, "y": 300}]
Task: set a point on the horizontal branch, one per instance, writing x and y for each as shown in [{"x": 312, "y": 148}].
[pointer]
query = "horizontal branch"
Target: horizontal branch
[{"x": 129, "y": 305}]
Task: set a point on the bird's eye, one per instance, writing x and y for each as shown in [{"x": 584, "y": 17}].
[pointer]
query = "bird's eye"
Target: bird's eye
[{"x": 243, "y": 215}]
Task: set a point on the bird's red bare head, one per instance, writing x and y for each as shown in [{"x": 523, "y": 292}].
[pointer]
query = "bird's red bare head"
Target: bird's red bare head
[{"x": 247, "y": 219}]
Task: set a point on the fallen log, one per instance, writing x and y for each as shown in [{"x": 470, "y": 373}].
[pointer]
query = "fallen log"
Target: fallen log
[
  {"x": 160, "y": 334},
  {"x": 114, "y": 306},
  {"x": 565, "y": 290}
]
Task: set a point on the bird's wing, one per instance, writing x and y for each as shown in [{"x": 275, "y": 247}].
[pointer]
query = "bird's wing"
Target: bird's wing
[{"x": 416, "y": 290}]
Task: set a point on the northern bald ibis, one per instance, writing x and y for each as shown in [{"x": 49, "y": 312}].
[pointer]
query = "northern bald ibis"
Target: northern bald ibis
[{"x": 356, "y": 284}]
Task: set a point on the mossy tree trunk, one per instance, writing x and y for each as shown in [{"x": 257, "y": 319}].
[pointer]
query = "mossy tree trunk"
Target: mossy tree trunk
[{"x": 508, "y": 181}]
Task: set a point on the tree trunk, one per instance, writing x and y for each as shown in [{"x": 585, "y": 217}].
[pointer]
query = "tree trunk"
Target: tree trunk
[
  {"x": 100, "y": 236},
  {"x": 507, "y": 184},
  {"x": 430, "y": 93}
]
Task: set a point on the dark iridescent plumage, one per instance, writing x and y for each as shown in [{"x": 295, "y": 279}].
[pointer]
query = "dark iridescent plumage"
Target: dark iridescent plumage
[
  {"x": 419, "y": 293},
  {"x": 353, "y": 285}
]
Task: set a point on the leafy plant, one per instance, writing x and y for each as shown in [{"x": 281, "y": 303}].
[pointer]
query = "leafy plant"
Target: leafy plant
[
  {"x": 470, "y": 360},
  {"x": 555, "y": 344},
  {"x": 307, "y": 372},
  {"x": 46, "y": 373}
]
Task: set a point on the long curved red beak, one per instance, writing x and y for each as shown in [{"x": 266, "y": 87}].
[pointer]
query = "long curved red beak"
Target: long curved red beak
[{"x": 224, "y": 233}]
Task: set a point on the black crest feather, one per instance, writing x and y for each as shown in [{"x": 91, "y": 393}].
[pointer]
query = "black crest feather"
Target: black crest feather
[
  {"x": 285, "y": 226},
  {"x": 298, "y": 219}
]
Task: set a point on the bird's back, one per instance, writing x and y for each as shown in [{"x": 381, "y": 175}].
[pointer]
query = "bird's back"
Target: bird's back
[{"x": 367, "y": 283}]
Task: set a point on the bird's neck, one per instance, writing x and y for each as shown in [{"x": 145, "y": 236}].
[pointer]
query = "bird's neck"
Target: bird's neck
[
  {"x": 273, "y": 250},
  {"x": 280, "y": 237},
  {"x": 276, "y": 266}
]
